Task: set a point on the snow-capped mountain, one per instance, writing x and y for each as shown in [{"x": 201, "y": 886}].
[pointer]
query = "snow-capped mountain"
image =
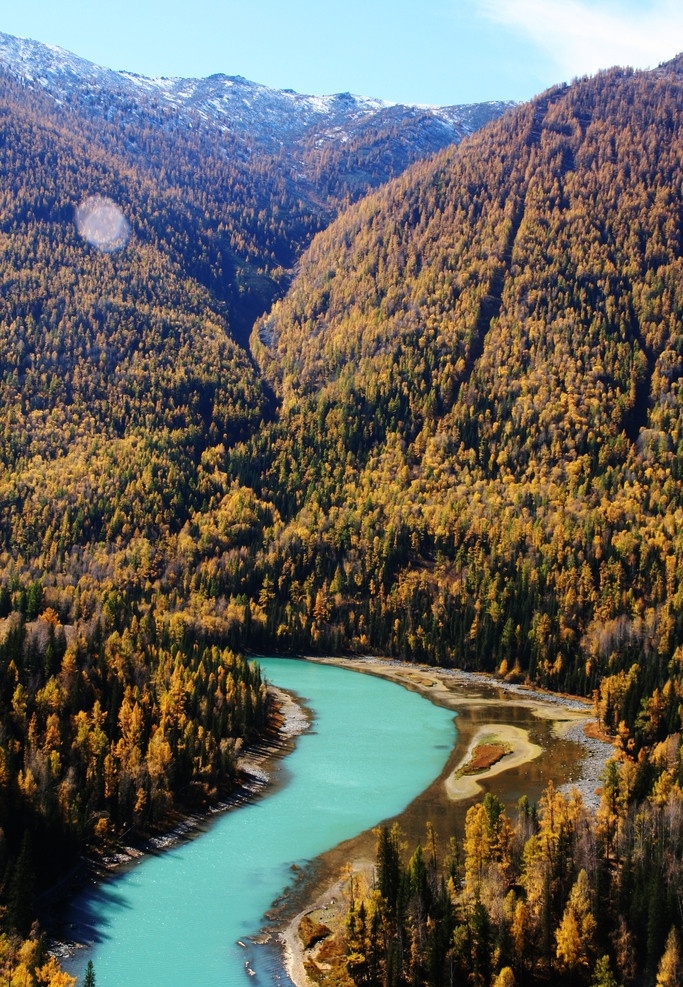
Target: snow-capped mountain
[
  {"x": 265, "y": 119},
  {"x": 242, "y": 176}
]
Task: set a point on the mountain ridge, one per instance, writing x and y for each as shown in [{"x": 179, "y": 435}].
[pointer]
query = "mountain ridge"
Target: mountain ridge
[
  {"x": 232, "y": 103},
  {"x": 265, "y": 157}
]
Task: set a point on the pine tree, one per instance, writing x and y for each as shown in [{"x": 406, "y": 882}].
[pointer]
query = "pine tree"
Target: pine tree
[
  {"x": 576, "y": 931},
  {"x": 21, "y": 889},
  {"x": 89, "y": 977},
  {"x": 389, "y": 865}
]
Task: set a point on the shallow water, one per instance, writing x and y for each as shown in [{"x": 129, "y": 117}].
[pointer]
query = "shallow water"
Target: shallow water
[{"x": 179, "y": 918}]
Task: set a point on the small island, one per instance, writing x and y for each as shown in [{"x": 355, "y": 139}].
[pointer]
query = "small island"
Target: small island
[
  {"x": 494, "y": 748},
  {"x": 484, "y": 756}
]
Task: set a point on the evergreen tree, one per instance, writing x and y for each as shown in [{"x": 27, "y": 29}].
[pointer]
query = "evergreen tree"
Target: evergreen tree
[
  {"x": 389, "y": 870},
  {"x": 20, "y": 899}
]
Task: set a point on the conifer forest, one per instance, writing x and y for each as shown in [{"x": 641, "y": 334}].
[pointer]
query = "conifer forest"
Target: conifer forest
[{"x": 437, "y": 418}]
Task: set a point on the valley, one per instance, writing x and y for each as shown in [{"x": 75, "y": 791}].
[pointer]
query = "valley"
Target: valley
[{"x": 359, "y": 379}]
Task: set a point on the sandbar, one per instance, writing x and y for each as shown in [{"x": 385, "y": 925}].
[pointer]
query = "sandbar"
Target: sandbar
[
  {"x": 463, "y": 785},
  {"x": 458, "y": 690}
]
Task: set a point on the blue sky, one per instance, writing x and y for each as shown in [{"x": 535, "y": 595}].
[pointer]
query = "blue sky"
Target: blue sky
[{"x": 416, "y": 51}]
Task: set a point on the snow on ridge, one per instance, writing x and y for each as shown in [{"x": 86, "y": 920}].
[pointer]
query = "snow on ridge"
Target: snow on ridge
[
  {"x": 37, "y": 61},
  {"x": 24, "y": 53},
  {"x": 30, "y": 59},
  {"x": 227, "y": 103}
]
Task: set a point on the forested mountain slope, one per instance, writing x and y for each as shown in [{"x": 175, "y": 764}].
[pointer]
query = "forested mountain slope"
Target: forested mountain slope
[
  {"x": 266, "y": 167},
  {"x": 249, "y": 173},
  {"x": 123, "y": 381},
  {"x": 477, "y": 461},
  {"x": 456, "y": 438},
  {"x": 478, "y": 450}
]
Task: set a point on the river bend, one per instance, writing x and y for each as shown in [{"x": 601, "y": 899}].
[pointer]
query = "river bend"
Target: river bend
[{"x": 179, "y": 918}]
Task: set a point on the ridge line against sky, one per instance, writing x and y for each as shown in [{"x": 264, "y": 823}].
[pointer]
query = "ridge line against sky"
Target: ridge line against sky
[{"x": 441, "y": 52}]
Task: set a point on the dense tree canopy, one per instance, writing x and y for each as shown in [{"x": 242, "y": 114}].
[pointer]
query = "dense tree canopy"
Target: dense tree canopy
[
  {"x": 456, "y": 438},
  {"x": 546, "y": 897},
  {"x": 479, "y": 440}
]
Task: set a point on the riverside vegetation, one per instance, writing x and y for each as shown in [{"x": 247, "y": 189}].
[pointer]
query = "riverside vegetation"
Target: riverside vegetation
[
  {"x": 558, "y": 895},
  {"x": 456, "y": 438}
]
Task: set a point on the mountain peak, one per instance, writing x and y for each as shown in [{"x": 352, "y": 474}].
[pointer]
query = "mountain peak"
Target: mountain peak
[
  {"x": 228, "y": 102},
  {"x": 253, "y": 119}
]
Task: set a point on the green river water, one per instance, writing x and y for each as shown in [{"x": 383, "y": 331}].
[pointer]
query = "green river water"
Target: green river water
[{"x": 178, "y": 919}]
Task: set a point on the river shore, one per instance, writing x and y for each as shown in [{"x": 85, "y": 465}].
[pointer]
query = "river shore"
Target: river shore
[
  {"x": 254, "y": 767},
  {"x": 572, "y": 717},
  {"x": 492, "y": 748},
  {"x": 451, "y": 688},
  {"x": 288, "y": 720}
]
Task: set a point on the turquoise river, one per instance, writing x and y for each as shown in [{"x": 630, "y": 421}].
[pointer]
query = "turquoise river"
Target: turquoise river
[{"x": 178, "y": 918}]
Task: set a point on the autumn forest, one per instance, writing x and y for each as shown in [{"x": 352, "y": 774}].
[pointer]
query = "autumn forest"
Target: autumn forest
[{"x": 435, "y": 416}]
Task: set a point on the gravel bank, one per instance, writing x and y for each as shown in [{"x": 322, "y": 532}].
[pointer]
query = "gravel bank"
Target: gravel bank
[{"x": 597, "y": 752}]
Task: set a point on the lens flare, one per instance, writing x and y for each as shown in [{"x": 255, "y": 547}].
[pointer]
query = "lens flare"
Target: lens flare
[{"x": 100, "y": 221}]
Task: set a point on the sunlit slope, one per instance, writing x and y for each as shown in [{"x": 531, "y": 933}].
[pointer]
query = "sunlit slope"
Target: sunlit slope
[
  {"x": 481, "y": 417},
  {"x": 117, "y": 368}
]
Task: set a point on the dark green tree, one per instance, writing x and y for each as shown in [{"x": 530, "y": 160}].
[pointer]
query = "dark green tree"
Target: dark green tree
[
  {"x": 20, "y": 898},
  {"x": 89, "y": 976},
  {"x": 389, "y": 866}
]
